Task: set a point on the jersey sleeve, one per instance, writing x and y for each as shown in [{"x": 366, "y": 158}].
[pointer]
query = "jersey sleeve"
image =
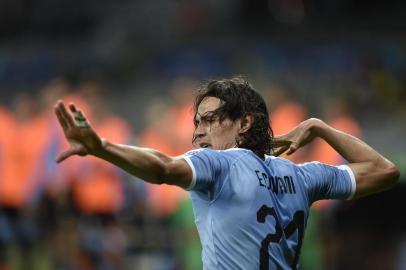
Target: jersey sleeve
[
  {"x": 208, "y": 168},
  {"x": 324, "y": 181}
]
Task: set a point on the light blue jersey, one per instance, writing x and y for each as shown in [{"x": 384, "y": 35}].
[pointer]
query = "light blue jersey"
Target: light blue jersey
[{"x": 250, "y": 213}]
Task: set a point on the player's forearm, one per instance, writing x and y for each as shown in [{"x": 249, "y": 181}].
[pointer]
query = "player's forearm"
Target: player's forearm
[{"x": 146, "y": 164}]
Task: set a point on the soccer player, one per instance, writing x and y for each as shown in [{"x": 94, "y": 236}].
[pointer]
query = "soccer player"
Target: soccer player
[{"x": 250, "y": 207}]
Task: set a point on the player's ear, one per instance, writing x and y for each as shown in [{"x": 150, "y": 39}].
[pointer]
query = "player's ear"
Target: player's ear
[{"x": 246, "y": 123}]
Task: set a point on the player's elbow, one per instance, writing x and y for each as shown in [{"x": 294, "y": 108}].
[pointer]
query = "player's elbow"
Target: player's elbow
[
  {"x": 392, "y": 174},
  {"x": 377, "y": 178},
  {"x": 389, "y": 173}
]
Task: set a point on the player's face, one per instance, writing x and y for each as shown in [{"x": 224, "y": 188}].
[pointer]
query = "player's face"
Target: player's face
[{"x": 212, "y": 133}]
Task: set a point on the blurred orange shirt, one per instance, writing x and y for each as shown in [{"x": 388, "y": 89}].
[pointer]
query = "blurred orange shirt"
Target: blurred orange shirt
[
  {"x": 178, "y": 127},
  {"x": 7, "y": 140},
  {"x": 323, "y": 152},
  {"x": 182, "y": 128},
  {"x": 284, "y": 118},
  {"x": 23, "y": 167},
  {"x": 97, "y": 186}
]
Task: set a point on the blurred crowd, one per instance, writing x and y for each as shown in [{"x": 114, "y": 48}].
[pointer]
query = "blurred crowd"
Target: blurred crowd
[
  {"x": 87, "y": 214},
  {"x": 341, "y": 61},
  {"x": 84, "y": 213}
]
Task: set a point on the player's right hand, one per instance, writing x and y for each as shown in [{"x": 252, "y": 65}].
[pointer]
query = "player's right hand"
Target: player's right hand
[
  {"x": 82, "y": 139},
  {"x": 298, "y": 137}
]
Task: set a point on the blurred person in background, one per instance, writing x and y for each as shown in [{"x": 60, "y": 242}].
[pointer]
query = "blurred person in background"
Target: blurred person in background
[
  {"x": 7, "y": 125},
  {"x": 56, "y": 213},
  {"x": 21, "y": 182},
  {"x": 98, "y": 188},
  {"x": 171, "y": 126},
  {"x": 337, "y": 113},
  {"x": 236, "y": 175},
  {"x": 286, "y": 113},
  {"x": 182, "y": 113},
  {"x": 175, "y": 124},
  {"x": 165, "y": 199},
  {"x": 321, "y": 239},
  {"x": 189, "y": 249},
  {"x": 31, "y": 183},
  {"x": 169, "y": 131}
]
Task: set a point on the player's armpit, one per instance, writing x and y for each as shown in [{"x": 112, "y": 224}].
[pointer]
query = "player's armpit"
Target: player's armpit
[{"x": 372, "y": 177}]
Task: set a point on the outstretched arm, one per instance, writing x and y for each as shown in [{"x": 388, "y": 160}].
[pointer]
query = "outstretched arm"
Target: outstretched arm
[
  {"x": 147, "y": 164},
  {"x": 372, "y": 171}
]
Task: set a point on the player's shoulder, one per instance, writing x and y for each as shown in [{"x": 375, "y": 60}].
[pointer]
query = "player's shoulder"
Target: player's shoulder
[
  {"x": 231, "y": 153},
  {"x": 236, "y": 151},
  {"x": 280, "y": 164},
  {"x": 306, "y": 167},
  {"x": 279, "y": 160}
]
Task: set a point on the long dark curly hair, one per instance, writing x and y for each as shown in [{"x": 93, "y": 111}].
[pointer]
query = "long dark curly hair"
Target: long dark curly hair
[{"x": 238, "y": 99}]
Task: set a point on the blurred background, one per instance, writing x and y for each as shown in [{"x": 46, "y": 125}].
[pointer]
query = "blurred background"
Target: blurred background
[{"x": 132, "y": 66}]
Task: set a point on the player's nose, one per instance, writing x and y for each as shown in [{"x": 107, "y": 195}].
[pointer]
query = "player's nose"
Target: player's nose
[{"x": 198, "y": 135}]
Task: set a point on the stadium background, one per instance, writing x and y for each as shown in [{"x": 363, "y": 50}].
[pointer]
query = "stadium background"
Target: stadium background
[{"x": 133, "y": 65}]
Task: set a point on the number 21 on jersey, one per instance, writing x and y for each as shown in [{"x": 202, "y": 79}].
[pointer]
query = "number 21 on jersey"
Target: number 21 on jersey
[{"x": 297, "y": 223}]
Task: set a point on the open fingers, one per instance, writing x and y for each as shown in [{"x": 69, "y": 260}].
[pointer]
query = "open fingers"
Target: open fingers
[
  {"x": 63, "y": 117},
  {"x": 280, "y": 143},
  {"x": 292, "y": 148},
  {"x": 281, "y": 140},
  {"x": 64, "y": 155},
  {"x": 65, "y": 114},
  {"x": 72, "y": 107},
  {"x": 281, "y": 150},
  {"x": 61, "y": 120}
]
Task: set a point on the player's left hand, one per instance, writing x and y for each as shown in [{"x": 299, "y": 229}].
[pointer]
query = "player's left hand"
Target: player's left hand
[
  {"x": 296, "y": 138},
  {"x": 83, "y": 140}
]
